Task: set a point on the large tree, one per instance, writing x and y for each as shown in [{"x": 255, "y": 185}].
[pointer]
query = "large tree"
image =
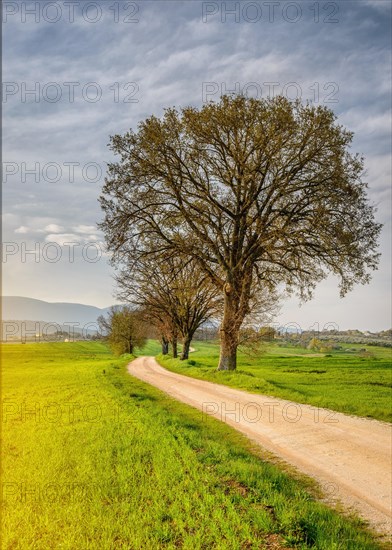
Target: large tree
[{"x": 258, "y": 192}]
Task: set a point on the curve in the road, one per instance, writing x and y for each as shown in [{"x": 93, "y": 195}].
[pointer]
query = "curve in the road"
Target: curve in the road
[{"x": 351, "y": 456}]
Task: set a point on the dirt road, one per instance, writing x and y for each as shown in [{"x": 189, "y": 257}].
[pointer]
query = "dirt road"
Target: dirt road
[{"x": 351, "y": 457}]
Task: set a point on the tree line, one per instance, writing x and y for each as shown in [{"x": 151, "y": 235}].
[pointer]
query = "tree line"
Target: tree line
[{"x": 214, "y": 212}]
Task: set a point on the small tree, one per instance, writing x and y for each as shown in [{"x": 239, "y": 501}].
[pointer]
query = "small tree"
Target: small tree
[
  {"x": 124, "y": 329},
  {"x": 315, "y": 344},
  {"x": 267, "y": 333}
]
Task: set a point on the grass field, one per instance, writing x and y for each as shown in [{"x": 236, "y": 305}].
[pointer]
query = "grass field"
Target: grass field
[
  {"x": 95, "y": 459},
  {"x": 352, "y": 382}
]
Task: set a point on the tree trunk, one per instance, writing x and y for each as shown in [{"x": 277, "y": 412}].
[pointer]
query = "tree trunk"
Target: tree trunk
[
  {"x": 165, "y": 346},
  {"x": 174, "y": 347},
  {"x": 185, "y": 348},
  {"x": 228, "y": 351},
  {"x": 229, "y": 333}
]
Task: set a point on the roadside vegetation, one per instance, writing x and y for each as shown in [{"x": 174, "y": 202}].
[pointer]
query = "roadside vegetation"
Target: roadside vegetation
[
  {"x": 350, "y": 380},
  {"x": 94, "y": 458}
]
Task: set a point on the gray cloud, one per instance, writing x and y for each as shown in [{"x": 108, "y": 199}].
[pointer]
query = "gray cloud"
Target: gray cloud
[{"x": 169, "y": 56}]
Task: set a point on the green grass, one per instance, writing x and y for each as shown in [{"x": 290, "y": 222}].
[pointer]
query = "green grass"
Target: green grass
[
  {"x": 347, "y": 381},
  {"x": 96, "y": 459}
]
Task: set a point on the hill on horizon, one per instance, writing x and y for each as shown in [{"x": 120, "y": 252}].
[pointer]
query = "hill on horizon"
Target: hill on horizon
[{"x": 21, "y": 308}]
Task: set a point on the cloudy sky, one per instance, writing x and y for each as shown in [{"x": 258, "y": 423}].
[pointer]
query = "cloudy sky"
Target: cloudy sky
[{"x": 77, "y": 72}]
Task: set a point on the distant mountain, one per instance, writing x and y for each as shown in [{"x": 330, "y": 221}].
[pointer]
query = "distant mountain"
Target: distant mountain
[{"x": 19, "y": 308}]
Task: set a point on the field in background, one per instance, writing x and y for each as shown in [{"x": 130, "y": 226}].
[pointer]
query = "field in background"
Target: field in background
[
  {"x": 347, "y": 380},
  {"x": 96, "y": 459}
]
